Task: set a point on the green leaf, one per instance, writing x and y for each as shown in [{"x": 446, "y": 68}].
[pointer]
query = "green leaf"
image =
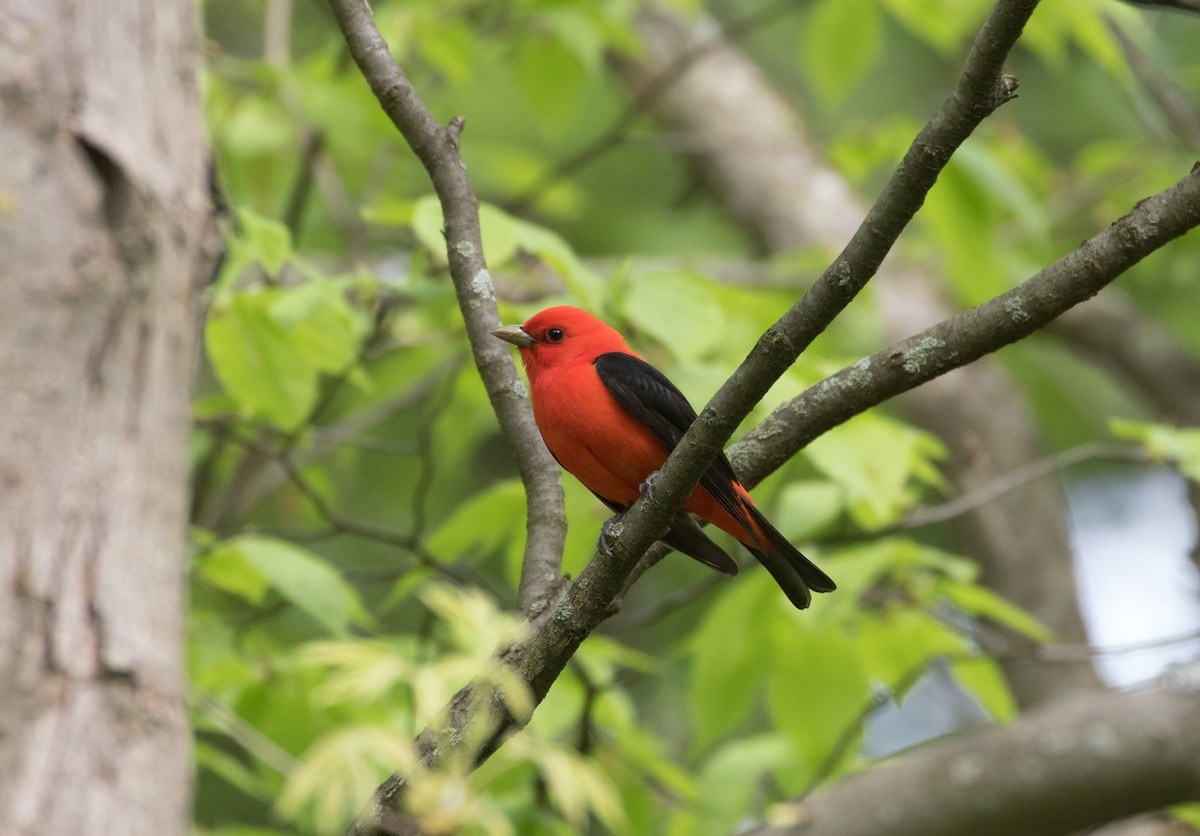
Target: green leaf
[
  {"x": 981, "y": 601},
  {"x": 874, "y": 460},
  {"x": 728, "y": 664},
  {"x": 499, "y": 232},
  {"x": 943, "y": 24},
  {"x": 983, "y": 678},
  {"x": 1187, "y": 813},
  {"x": 427, "y": 225},
  {"x": 731, "y": 778},
  {"x": 230, "y": 769},
  {"x": 557, "y": 254},
  {"x": 601, "y": 656},
  {"x": 817, "y": 693},
  {"x": 355, "y": 670},
  {"x": 498, "y": 229},
  {"x": 484, "y": 523},
  {"x": 256, "y": 127},
  {"x": 677, "y": 309},
  {"x": 808, "y": 508},
  {"x": 841, "y": 42},
  {"x": 324, "y": 329},
  {"x": 551, "y": 77},
  {"x": 1179, "y": 446},
  {"x": 304, "y": 579},
  {"x": 342, "y": 768},
  {"x": 227, "y": 568},
  {"x": 897, "y": 645},
  {"x": 256, "y": 360},
  {"x": 266, "y": 240},
  {"x": 576, "y": 787}
]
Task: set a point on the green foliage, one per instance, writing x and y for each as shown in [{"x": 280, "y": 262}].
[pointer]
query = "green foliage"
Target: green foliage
[
  {"x": 341, "y": 601},
  {"x": 1173, "y": 445},
  {"x": 841, "y": 42},
  {"x": 879, "y": 464}
]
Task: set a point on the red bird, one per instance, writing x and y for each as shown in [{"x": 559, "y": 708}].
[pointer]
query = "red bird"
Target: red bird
[{"x": 611, "y": 419}]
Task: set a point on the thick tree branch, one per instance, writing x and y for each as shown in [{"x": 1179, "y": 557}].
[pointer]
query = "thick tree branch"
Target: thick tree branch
[
  {"x": 1080, "y": 763},
  {"x": 980, "y": 90},
  {"x": 438, "y": 149},
  {"x": 541, "y": 658},
  {"x": 560, "y": 630},
  {"x": 751, "y": 148},
  {"x": 971, "y": 334}
]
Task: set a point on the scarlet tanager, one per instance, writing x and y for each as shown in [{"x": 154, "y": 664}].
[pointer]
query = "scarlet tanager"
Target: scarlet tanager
[{"x": 611, "y": 419}]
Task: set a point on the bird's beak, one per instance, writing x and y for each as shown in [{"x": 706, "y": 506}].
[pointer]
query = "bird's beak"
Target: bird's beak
[{"x": 514, "y": 334}]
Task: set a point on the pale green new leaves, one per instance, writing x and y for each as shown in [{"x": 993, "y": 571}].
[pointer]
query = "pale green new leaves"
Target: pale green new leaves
[
  {"x": 1179, "y": 446},
  {"x": 817, "y": 673},
  {"x": 398, "y": 683},
  {"x": 878, "y": 463}
]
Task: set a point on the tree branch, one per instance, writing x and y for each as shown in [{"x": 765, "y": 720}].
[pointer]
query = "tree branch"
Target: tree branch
[
  {"x": 559, "y": 630},
  {"x": 752, "y": 150},
  {"x": 438, "y": 149},
  {"x": 971, "y": 334},
  {"x": 980, "y": 90},
  {"x": 541, "y": 658},
  {"x": 1077, "y": 764}
]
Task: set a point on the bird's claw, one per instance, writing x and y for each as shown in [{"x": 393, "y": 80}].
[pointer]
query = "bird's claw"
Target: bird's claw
[
  {"x": 647, "y": 487},
  {"x": 611, "y": 528}
]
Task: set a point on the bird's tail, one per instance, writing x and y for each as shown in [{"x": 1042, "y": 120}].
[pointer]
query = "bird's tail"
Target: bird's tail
[{"x": 794, "y": 572}]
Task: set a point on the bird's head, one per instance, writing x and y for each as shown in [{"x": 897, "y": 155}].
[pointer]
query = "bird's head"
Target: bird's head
[{"x": 560, "y": 336}]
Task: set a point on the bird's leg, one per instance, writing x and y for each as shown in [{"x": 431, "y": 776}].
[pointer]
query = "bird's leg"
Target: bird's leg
[
  {"x": 647, "y": 487},
  {"x": 612, "y": 528}
]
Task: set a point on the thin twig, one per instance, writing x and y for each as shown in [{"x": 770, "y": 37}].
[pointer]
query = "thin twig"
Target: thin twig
[
  {"x": 347, "y": 525},
  {"x": 1088, "y": 652},
  {"x": 1002, "y": 484}
]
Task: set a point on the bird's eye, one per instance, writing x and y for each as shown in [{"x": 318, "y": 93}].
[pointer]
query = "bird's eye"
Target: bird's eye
[{"x": 555, "y": 335}]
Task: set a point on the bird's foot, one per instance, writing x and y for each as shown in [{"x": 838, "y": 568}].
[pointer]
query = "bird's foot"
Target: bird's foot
[
  {"x": 647, "y": 487},
  {"x": 612, "y": 528}
]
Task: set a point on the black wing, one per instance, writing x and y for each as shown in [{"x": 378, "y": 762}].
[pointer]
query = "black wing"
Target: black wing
[{"x": 646, "y": 394}]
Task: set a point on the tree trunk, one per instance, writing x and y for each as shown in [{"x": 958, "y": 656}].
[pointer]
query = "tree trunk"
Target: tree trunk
[{"x": 106, "y": 231}]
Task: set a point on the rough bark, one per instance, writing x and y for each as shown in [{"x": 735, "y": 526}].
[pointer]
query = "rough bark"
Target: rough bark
[
  {"x": 106, "y": 230},
  {"x": 756, "y": 157}
]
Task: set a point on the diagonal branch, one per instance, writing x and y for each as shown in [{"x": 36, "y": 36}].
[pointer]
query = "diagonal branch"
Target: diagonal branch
[
  {"x": 971, "y": 334},
  {"x": 559, "y": 630},
  {"x": 438, "y": 149},
  {"x": 980, "y": 90},
  {"x": 541, "y": 658}
]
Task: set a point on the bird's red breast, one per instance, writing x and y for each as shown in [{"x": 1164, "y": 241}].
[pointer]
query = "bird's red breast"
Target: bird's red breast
[{"x": 593, "y": 437}]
